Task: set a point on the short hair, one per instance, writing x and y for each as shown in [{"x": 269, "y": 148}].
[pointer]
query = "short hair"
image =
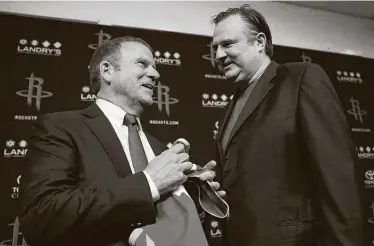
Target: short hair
[
  {"x": 255, "y": 20},
  {"x": 110, "y": 51}
]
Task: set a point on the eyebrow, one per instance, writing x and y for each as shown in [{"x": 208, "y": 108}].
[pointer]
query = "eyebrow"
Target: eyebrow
[{"x": 227, "y": 40}]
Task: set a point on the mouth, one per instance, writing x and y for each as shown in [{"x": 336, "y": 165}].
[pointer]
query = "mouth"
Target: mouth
[
  {"x": 148, "y": 86},
  {"x": 227, "y": 65}
]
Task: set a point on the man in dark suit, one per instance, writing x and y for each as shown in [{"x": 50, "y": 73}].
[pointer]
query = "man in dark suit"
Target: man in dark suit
[
  {"x": 84, "y": 183},
  {"x": 285, "y": 154}
]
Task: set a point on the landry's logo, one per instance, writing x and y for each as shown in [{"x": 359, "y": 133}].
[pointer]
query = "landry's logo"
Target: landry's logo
[
  {"x": 215, "y": 101},
  {"x": 13, "y": 149},
  {"x": 17, "y": 237},
  {"x": 87, "y": 95},
  {"x": 215, "y": 230},
  {"x": 349, "y": 77},
  {"x": 163, "y": 99},
  {"x": 356, "y": 110},
  {"x": 166, "y": 58},
  {"x": 102, "y": 37},
  {"x": 36, "y": 47},
  {"x": 369, "y": 182},
  {"x": 34, "y": 91},
  {"x": 365, "y": 152}
]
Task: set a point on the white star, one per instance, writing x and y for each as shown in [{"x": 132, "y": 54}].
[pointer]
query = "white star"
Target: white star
[
  {"x": 10, "y": 143},
  {"x": 23, "y": 41},
  {"x": 46, "y": 43},
  {"x": 167, "y": 54},
  {"x": 57, "y": 45},
  {"x": 22, "y": 143},
  {"x": 85, "y": 89}
]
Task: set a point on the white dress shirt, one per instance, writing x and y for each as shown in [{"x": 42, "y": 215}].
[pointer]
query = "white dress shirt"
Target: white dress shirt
[{"x": 115, "y": 116}]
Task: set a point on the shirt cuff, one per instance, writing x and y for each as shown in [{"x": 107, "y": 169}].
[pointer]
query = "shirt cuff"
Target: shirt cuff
[{"x": 154, "y": 191}]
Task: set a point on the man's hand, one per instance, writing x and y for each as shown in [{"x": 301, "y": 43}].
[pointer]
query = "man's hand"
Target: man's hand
[
  {"x": 167, "y": 169},
  {"x": 209, "y": 175}
]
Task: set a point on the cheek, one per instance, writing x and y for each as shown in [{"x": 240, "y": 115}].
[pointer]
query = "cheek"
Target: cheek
[
  {"x": 139, "y": 73},
  {"x": 237, "y": 58}
]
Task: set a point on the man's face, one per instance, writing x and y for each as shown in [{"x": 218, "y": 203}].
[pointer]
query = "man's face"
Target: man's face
[
  {"x": 135, "y": 78},
  {"x": 236, "y": 55}
]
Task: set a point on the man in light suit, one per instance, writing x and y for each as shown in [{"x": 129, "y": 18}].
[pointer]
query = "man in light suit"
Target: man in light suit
[
  {"x": 286, "y": 158},
  {"x": 82, "y": 184}
]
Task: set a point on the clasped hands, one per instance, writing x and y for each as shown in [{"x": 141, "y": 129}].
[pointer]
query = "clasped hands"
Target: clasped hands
[{"x": 168, "y": 170}]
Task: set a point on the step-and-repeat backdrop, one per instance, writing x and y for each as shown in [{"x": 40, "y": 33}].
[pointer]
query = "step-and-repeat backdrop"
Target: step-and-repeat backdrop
[{"x": 44, "y": 68}]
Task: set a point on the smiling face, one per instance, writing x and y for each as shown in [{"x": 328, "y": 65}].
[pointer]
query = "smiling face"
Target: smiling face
[
  {"x": 238, "y": 54},
  {"x": 136, "y": 74}
]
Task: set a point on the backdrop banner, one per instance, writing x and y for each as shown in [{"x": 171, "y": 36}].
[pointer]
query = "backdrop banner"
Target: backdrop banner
[{"x": 45, "y": 69}]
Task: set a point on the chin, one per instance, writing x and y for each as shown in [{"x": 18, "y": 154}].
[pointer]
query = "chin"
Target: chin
[
  {"x": 147, "y": 101},
  {"x": 231, "y": 75}
]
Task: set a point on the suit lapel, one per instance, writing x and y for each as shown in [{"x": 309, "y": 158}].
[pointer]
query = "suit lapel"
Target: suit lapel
[
  {"x": 105, "y": 133},
  {"x": 224, "y": 123},
  {"x": 258, "y": 94}
]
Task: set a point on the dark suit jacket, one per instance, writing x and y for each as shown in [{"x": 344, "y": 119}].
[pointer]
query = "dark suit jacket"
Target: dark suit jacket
[
  {"x": 289, "y": 164},
  {"x": 78, "y": 188}
]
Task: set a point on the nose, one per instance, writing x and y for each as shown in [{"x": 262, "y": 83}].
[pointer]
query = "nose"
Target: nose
[
  {"x": 220, "y": 53},
  {"x": 152, "y": 73}
]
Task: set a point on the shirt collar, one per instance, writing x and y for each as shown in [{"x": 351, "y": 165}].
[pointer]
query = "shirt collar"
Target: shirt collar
[
  {"x": 258, "y": 74},
  {"x": 114, "y": 113}
]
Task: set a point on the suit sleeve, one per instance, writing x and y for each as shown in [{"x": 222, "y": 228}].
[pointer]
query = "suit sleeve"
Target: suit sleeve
[
  {"x": 60, "y": 207},
  {"x": 326, "y": 136}
]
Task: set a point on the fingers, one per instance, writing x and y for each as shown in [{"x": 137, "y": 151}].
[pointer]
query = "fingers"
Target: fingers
[
  {"x": 177, "y": 148},
  {"x": 221, "y": 193},
  {"x": 185, "y": 166},
  {"x": 214, "y": 185},
  {"x": 207, "y": 175},
  {"x": 210, "y": 165},
  {"x": 183, "y": 157}
]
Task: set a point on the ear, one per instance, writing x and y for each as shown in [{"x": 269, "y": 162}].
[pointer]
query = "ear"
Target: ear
[
  {"x": 260, "y": 40},
  {"x": 106, "y": 71}
]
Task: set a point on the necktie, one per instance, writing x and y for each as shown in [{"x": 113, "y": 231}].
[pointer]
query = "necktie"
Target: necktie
[{"x": 138, "y": 156}]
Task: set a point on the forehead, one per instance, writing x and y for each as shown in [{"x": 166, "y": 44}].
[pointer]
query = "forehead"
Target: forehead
[
  {"x": 135, "y": 50},
  {"x": 232, "y": 27}
]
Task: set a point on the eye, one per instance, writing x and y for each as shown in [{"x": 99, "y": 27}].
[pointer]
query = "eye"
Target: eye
[
  {"x": 227, "y": 44},
  {"x": 142, "y": 63}
]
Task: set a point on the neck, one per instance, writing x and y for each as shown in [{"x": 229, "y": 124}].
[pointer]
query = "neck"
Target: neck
[
  {"x": 130, "y": 107},
  {"x": 264, "y": 64}
]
